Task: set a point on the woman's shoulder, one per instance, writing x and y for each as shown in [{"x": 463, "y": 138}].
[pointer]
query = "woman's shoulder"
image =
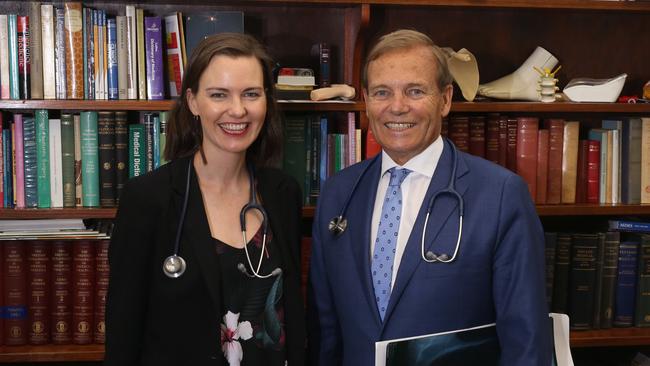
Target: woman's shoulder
[{"x": 274, "y": 178}]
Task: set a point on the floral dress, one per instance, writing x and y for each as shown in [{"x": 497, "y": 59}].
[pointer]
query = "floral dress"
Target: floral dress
[{"x": 253, "y": 329}]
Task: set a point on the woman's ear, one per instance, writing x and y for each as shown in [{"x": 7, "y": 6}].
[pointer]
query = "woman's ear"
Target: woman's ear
[{"x": 191, "y": 101}]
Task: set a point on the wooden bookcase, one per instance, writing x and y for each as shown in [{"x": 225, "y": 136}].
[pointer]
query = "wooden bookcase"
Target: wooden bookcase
[{"x": 591, "y": 38}]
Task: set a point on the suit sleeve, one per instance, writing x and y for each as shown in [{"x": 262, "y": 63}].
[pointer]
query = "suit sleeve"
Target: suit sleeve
[
  {"x": 323, "y": 325},
  {"x": 130, "y": 254},
  {"x": 523, "y": 324}
]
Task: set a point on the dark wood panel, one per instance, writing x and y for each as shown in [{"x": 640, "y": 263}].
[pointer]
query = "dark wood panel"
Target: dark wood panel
[
  {"x": 596, "y": 44},
  {"x": 586, "y": 209},
  {"x": 57, "y": 213},
  {"x": 51, "y": 353},
  {"x": 611, "y": 337}
]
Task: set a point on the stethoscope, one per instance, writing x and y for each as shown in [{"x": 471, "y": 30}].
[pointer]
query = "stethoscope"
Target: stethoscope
[
  {"x": 339, "y": 223},
  {"x": 174, "y": 266}
]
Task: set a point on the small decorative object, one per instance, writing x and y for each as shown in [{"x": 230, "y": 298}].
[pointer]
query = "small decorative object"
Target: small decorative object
[
  {"x": 646, "y": 90},
  {"x": 341, "y": 91},
  {"x": 547, "y": 84},
  {"x": 595, "y": 90}
]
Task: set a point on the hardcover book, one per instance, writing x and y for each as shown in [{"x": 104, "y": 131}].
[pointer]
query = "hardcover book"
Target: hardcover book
[
  {"x": 106, "y": 131},
  {"x": 61, "y": 292},
  {"x": 121, "y": 151},
  {"x": 38, "y": 291},
  {"x": 83, "y": 291},
  {"x": 101, "y": 289},
  {"x": 47, "y": 38},
  {"x": 15, "y": 293},
  {"x": 154, "y": 58},
  {"x": 36, "y": 50},
  {"x": 24, "y": 60},
  {"x": 89, "y": 159},
  {"x": 43, "y": 158},
  {"x": 67, "y": 159},
  {"x": 74, "y": 51}
]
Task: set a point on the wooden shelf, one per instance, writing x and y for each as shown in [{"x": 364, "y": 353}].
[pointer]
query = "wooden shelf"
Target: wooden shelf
[
  {"x": 160, "y": 105},
  {"x": 57, "y": 213},
  {"x": 611, "y": 337},
  {"x": 558, "y": 107},
  {"x": 592, "y": 209},
  {"x": 525, "y": 4},
  {"x": 51, "y": 353}
]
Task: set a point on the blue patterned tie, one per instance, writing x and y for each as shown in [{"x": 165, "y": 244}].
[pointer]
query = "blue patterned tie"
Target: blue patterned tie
[{"x": 384, "y": 255}]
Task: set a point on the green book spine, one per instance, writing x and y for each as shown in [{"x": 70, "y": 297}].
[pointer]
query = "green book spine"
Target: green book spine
[
  {"x": 67, "y": 153},
  {"x": 89, "y": 159},
  {"x": 43, "y": 158},
  {"x": 163, "y": 136},
  {"x": 642, "y": 316},
  {"x": 12, "y": 32},
  {"x": 294, "y": 161},
  {"x": 137, "y": 164}
]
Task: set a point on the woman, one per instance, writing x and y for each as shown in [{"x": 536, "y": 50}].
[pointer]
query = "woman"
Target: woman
[{"x": 215, "y": 310}]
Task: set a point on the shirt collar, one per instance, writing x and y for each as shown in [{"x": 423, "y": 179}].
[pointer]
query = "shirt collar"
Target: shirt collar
[{"x": 424, "y": 163}]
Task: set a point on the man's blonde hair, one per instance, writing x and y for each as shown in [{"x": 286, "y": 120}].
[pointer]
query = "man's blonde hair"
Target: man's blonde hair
[{"x": 404, "y": 39}]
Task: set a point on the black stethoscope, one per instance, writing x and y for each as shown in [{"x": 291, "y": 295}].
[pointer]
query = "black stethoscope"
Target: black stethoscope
[
  {"x": 174, "y": 266},
  {"x": 339, "y": 223}
]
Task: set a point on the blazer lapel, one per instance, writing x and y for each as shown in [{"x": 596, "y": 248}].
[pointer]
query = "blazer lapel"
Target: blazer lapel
[
  {"x": 440, "y": 215},
  {"x": 196, "y": 230},
  {"x": 357, "y": 236}
]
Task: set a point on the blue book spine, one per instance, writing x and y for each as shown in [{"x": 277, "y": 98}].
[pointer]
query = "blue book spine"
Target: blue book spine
[
  {"x": 113, "y": 92},
  {"x": 626, "y": 284},
  {"x": 8, "y": 169},
  {"x": 31, "y": 172},
  {"x": 630, "y": 226},
  {"x": 153, "y": 57},
  {"x": 323, "y": 151},
  {"x": 156, "y": 142}
]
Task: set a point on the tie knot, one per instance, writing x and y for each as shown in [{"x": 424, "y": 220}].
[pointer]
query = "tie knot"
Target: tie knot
[{"x": 397, "y": 176}]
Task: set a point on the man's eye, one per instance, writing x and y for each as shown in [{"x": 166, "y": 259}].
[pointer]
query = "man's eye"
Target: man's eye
[
  {"x": 381, "y": 94},
  {"x": 415, "y": 93}
]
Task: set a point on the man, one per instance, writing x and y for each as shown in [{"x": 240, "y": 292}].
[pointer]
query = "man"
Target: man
[{"x": 370, "y": 281}]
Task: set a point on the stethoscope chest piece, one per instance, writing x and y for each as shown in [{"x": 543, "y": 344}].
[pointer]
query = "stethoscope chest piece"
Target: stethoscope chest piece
[
  {"x": 174, "y": 266},
  {"x": 338, "y": 225}
]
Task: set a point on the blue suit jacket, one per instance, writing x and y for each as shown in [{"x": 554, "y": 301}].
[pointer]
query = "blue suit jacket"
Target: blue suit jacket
[{"x": 498, "y": 275}]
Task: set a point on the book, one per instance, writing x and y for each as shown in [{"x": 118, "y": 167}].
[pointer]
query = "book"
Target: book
[
  {"x": 61, "y": 289},
  {"x": 38, "y": 291},
  {"x": 106, "y": 140},
  {"x": 527, "y": 128},
  {"x": 175, "y": 62},
  {"x": 43, "y": 157},
  {"x": 112, "y": 72},
  {"x": 30, "y": 164},
  {"x": 15, "y": 293},
  {"x": 60, "y": 53},
  {"x": 542, "y": 166},
  {"x": 131, "y": 53},
  {"x": 477, "y": 136},
  {"x": 36, "y": 50},
  {"x": 77, "y": 160},
  {"x": 56, "y": 164},
  {"x": 610, "y": 274},
  {"x": 561, "y": 275},
  {"x": 593, "y": 171},
  {"x": 570, "y": 161},
  {"x": 67, "y": 159},
  {"x": 153, "y": 58},
  {"x": 4, "y": 58},
  {"x": 122, "y": 59},
  {"x": 471, "y": 346},
  {"x": 89, "y": 159},
  {"x": 141, "y": 46},
  {"x": 625, "y": 299},
  {"x": 137, "y": 157},
  {"x": 19, "y": 160},
  {"x": 582, "y": 280},
  {"x": 555, "y": 146},
  {"x": 74, "y": 50},
  {"x": 83, "y": 291},
  {"x": 645, "y": 160},
  {"x": 631, "y": 161},
  {"x": 629, "y": 226},
  {"x": 642, "y": 308},
  {"x": 101, "y": 289},
  {"x": 48, "y": 22},
  {"x": 24, "y": 58},
  {"x": 492, "y": 139},
  {"x": 322, "y": 52},
  {"x": 121, "y": 152}
]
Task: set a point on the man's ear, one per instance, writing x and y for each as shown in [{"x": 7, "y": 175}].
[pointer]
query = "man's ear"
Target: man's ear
[{"x": 446, "y": 95}]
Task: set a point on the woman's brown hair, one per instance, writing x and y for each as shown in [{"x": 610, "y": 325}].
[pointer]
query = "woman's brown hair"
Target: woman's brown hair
[{"x": 184, "y": 134}]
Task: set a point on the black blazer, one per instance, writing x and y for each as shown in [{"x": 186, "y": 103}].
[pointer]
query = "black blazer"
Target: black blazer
[{"x": 154, "y": 320}]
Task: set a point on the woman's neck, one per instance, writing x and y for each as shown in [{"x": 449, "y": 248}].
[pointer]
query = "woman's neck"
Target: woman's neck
[{"x": 221, "y": 170}]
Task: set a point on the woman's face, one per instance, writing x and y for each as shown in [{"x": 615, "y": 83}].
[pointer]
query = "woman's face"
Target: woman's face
[{"x": 231, "y": 104}]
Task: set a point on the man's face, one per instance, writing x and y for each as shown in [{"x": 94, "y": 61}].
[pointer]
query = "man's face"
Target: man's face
[{"x": 403, "y": 103}]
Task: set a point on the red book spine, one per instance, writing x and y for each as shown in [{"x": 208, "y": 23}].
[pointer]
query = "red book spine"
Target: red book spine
[
  {"x": 101, "y": 289},
  {"x": 492, "y": 139},
  {"x": 593, "y": 171},
  {"x": 511, "y": 148},
  {"x": 61, "y": 292},
  {"x": 83, "y": 291},
  {"x": 503, "y": 141},
  {"x": 372, "y": 147},
  {"x": 581, "y": 178},
  {"x": 527, "y": 128},
  {"x": 23, "y": 57},
  {"x": 38, "y": 269},
  {"x": 542, "y": 166},
  {"x": 477, "y": 136},
  {"x": 15, "y": 293},
  {"x": 555, "y": 146},
  {"x": 459, "y": 132}
]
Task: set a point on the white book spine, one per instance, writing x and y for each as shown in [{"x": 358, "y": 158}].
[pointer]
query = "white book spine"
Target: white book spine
[
  {"x": 56, "y": 164},
  {"x": 132, "y": 56},
  {"x": 47, "y": 35},
  {"x": 122, "y": 57},
  {"x": 4, "y": 58}
]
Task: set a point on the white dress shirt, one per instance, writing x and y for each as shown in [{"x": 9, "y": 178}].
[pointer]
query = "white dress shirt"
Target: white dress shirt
[{"x": 414, "y": 188}]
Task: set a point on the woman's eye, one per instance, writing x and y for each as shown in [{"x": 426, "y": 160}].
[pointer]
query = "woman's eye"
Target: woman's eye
[
  {"x": 252, "y": 95},
  {"x": 218, "y": 95}
]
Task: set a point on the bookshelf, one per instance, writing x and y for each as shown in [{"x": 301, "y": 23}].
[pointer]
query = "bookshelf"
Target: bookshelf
[{"x": 587, "y": 36}]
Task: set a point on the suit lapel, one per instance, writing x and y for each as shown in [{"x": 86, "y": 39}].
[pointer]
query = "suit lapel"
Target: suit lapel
[
  {"x": 196, "y": 231},
  {"x": 357, "y": 236},
  {"x": 440, "y": 214}
]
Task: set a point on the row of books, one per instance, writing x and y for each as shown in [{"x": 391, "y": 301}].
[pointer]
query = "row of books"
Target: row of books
[
  {"x": 53, "y": 292},
  {"x": 560, "y": 162},
  {"x": 75, "y": 52},
  {"x": 601, "y": 280},
  {"x": 318, "y": 145},
  {"x": 76, "y": 160}
]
